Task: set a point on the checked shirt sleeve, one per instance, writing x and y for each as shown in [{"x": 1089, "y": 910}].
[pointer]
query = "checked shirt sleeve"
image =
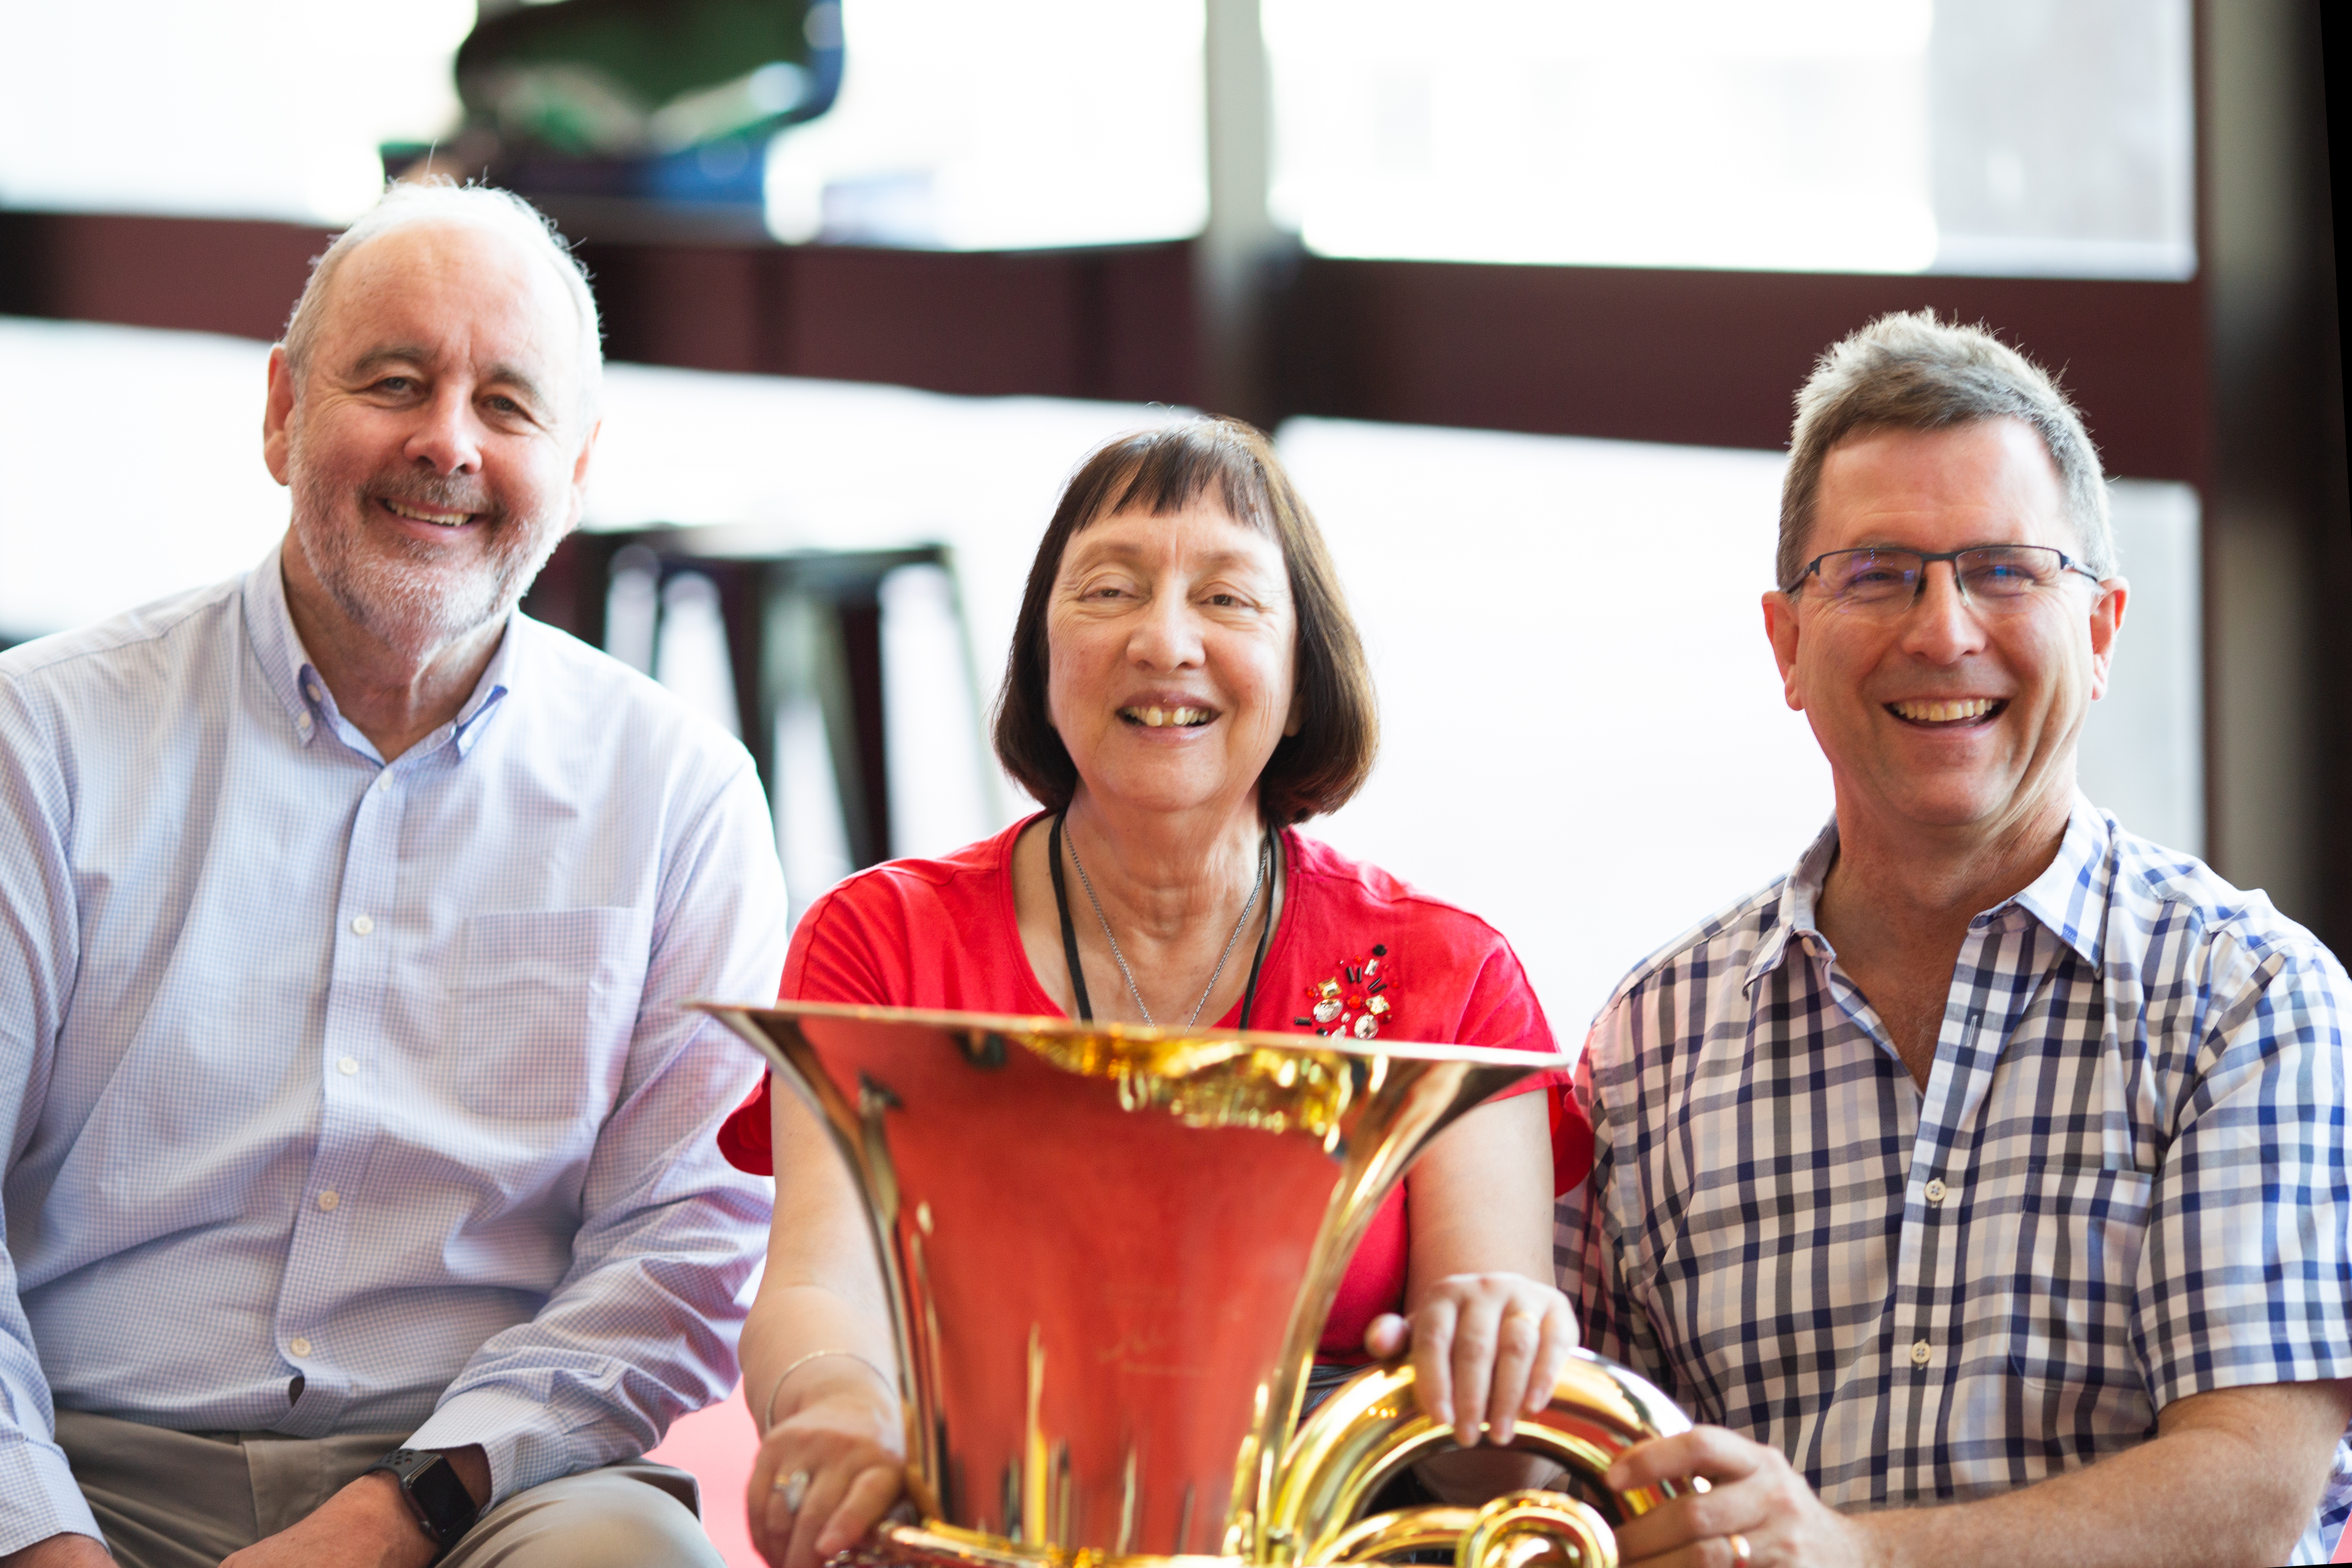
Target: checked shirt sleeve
[{"x": 2245, "y": 1278}]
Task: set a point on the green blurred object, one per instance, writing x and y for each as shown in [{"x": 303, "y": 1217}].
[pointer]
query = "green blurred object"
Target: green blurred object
[{"x": 628, "y": 78}]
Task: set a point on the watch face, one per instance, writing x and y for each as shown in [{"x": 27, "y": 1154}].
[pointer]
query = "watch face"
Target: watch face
[{"x": 442, "y": 1500}]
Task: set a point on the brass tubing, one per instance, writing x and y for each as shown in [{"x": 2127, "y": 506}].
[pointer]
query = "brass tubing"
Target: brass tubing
[{"x": 1371, "y": 1430}]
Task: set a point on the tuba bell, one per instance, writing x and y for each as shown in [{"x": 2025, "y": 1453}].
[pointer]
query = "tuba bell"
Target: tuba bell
[{"x": 1109, "y": 1252}]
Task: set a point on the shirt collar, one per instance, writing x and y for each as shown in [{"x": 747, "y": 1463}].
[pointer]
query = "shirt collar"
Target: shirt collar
[
  {"x": 2070, "y": 896},
  {"x": 1800, "y": 892},
  {"x": 310, "y": 706}
]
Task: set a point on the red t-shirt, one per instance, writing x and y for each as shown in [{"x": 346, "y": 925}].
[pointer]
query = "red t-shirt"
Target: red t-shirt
[{"x": 942, "y": 934}]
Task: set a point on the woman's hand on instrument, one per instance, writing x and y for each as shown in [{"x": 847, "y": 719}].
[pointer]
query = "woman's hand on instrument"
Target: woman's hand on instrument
[
  {"x": 828, "y": 1471},
  {"x": 1486, "y": 1347}
]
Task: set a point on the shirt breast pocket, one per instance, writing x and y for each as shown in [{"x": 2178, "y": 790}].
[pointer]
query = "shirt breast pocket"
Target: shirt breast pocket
[
  {"x": 547, "y": 1002},
  {"x": 2080, "y": 1230}
]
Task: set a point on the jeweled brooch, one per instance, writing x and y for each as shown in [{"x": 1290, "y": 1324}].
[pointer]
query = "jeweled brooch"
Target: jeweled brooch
[{"x": 1359, "y": 1001}]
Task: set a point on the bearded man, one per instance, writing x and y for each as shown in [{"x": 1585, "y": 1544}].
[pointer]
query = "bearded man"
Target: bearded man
[
  {"x": 1981, "y": 1185},
  {"x": 362, "y": 1176}
]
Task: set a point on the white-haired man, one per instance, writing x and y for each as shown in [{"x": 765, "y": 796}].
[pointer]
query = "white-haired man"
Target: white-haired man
[
  {"x": 362, "y": 1171},
  {"x": 1982, "y": 1182}
]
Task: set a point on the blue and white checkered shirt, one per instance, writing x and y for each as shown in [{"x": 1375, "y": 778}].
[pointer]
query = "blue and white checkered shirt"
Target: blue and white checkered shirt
[
  {"x": 375, "y": 1076},
  {"x": 2124, "y": 1181}
]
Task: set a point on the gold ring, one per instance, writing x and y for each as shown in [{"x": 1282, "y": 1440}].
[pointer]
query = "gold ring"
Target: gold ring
[
  {"x": 795, "y": 1486},
  {"x": 1739, "y": 1549}
]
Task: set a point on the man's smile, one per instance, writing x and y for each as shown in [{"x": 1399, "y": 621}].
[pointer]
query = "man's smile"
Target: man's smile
[
  {"x": 421, "y": 514},
  {"x": 1948, "y": 712}
]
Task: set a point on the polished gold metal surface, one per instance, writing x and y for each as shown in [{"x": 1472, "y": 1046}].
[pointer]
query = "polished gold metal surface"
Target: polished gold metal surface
[
  {"x": 1522, "y": 1528},
  {"x": 1214, "y": 1082},
  {"x": 1381, "y": 1536},
  {"x": 1369, "y": 1430},
  {"x": 1514, "y": 1531},
  {"x": 1110, "y": 1251}
]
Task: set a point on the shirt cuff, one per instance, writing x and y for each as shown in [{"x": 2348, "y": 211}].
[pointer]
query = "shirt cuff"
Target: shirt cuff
[
  {"x": 517, "y": 1435},
  {"x": 38, "y": 1497}
]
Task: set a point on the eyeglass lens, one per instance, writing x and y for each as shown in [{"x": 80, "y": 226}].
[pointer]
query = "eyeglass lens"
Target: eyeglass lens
[{"x": 2002, "y": 575}]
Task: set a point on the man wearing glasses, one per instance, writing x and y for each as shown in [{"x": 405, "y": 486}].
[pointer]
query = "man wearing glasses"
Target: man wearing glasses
[{"x": 1983, "y": 1184}]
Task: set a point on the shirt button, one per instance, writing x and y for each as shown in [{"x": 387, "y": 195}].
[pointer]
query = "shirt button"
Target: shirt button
[
  {"x": 313, "y": 689},
  {"x": 1922, "y": 1353},
  {"x": 329, "y": 1199},
  {"x": 384, "y": 784},
  {"x": 301, "y": 720},
  {"x": 347, "y": 1066},
  {"x": 1936, "y": 1190},
  {"x": 298, "y": 1345},
  {"x": 363, "y": 925}
]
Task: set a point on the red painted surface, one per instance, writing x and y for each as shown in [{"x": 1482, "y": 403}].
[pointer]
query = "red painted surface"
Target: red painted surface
[{"x": 1121, "y": 1280}]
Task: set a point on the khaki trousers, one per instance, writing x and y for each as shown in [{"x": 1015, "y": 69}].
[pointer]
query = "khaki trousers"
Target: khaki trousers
[{"x": 185, "y": 1499}]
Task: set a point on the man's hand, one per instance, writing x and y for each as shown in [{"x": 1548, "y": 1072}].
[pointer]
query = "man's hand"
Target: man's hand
[
  {"x": 2231, "y": 1476},
  {"x": 1757, "y": 1511},
  {"x": 60, "y": 1551},
  {"x": 368, "y": 1524}
]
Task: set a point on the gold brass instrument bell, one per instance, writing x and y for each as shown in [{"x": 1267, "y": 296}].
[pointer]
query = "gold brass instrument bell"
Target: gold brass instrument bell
[{"x": 1109, "y": 1253}]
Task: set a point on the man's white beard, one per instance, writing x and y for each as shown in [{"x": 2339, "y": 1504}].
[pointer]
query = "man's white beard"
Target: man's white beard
[{"x": 404, "y": 592}]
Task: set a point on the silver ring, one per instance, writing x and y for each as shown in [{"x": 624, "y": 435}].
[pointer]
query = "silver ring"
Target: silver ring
[
  {"x": 794, "y": 1489},
  {"x": 1739, "y": 1549}
]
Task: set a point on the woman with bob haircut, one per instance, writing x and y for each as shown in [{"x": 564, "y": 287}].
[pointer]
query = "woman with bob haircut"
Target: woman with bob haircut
[{"x": 1185, "y": 686}]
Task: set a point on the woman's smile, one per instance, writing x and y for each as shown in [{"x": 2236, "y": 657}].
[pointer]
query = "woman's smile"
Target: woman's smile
[{"x": 1155, "y": 713}]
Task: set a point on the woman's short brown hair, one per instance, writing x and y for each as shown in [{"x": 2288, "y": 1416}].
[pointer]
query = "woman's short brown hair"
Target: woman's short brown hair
[{"x": 1159, "y": 472}]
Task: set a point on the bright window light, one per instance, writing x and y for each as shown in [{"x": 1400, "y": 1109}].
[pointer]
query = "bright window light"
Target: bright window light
[
  {"x": 252, "y": 109},
  {"x": 964, "y": 127},
  {"x": 1054, "y": 122},
  {"x": 1810, "y": 135}
]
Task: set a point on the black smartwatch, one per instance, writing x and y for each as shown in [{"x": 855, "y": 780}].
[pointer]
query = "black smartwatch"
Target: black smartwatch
[{"x": 444, "y": 1507}]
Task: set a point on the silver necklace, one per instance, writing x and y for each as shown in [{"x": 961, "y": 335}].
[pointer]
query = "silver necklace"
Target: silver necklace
[{"x": 1120, "y": 959}]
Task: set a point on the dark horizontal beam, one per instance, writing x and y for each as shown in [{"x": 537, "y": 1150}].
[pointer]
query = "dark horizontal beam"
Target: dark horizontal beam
[
  {"x": 1110, "y": 323},
  {"x": 1709, "y": 358},
  {"x": 205, "y": 275},
  {"x": 1115, "y": 322}
]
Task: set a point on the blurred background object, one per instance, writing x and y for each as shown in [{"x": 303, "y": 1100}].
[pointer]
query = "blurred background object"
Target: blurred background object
[{"x": 597, "y": 108}]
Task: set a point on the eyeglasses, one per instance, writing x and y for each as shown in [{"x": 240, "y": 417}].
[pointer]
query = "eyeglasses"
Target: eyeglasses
[{"x": 1999, "y": 578}]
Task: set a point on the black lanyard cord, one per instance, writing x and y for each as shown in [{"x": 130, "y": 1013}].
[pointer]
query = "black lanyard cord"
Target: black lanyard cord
[
  {"x": 1264, "y": 934},
  {"x": 1070, "y": 931}
]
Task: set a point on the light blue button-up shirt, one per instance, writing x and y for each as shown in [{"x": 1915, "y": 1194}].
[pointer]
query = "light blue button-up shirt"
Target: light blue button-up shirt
[{"x": 373, "y": 1076}]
